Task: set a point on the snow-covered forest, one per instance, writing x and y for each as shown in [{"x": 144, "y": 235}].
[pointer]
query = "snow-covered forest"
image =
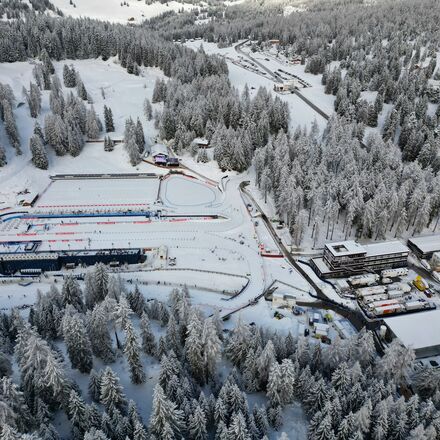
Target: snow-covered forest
[
  {"x": 378, "y": 70},
  {"x": 95, "y": 357},
  {"x": 60, "y": 365}
]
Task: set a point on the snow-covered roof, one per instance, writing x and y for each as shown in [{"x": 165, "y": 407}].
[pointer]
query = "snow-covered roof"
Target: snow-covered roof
[
  {"x": 157, "y": 149},
  {"x": 343, "y": 248},
  {"x": 427, "y": 244},
  {"x": 386, "y": 247},
  {"x": 416, "y": 330},
  {"x": 321, "y": 265},
  {"x": 201, "y": 141},
  {"x": 350, "y": 247}
]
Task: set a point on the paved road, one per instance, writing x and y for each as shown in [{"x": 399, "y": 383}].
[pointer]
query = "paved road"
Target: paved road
[
  {"x": 313, "y": 106},
  {"x": 278, "y": 80}
]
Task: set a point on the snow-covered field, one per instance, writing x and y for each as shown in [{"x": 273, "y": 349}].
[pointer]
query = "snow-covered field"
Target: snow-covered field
[
  {"x": 98, "y": 192},
  {"x": 108, "y": 84},
  {"x": 115, "y": 11}
]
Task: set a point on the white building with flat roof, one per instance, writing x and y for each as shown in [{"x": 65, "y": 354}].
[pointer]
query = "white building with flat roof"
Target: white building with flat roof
[
  {"x": 419, "y": 331},
  {"x": 348, "y": 258},
  {"x": 425, "y": 246}
]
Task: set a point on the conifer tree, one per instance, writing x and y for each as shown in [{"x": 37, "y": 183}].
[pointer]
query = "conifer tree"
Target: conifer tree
[
  {"x": 10, "y": 126},
  {"x": 132, "y": 351},
  {"x": 112, "y": 395},
  {"x": 147, "y": 335},
  {"x": 39, "y": 155},
  {"x": 197, "y": 424},
  {"x": 99, "y": 334},
  {"x": 109, "y": 144},
  {"x": 148, "y": 110},
  {"x": 72, "y": 294},
  {"x": 77, "y": 343},
  {"x": 108, "y": 119},
  {"x": 94, "y": 386},
  {"x": 165, "y": 420},
  {"x": 77, "y": 412}
]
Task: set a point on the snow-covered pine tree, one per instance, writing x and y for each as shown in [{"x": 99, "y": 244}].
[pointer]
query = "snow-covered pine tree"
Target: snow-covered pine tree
[
  {"x": 212, "y": 346},
  {"x": 99, "y": 334},
  {"x": 108, "y": 119},
  {"x": 136, "y": 301},
  {"x": 132, "y": 352},
  {"x": 197, "y": 424},
  {"x": 140, "y": 138},
  {"x": 75, "y": 139},
  {"x": 109, "y": 144},
  {"x": 92, "y": 125},
  {"x": 69, "y": 76},
  {"x": 95, "y": 434},
  {"x": 148, "y": 110},
  {"x": 33, "y": 98},
  {"x": 94, "y": 386},
  {"x": 81, "y": 89},
  {"x": 39, "y": 155},
  {"x": 147, "y": 335},
  {"x": 194, "y": 347},
  {"x": 77, "y": 412},
  {"x": 238, "y": 429},
  {"x": 96, "y": 285},
  {"x": 3, "y": 160},
  {"x": 112, "y": 395},
  {"x": 47, "y": 62},
  {"x": 10, "y": 126},
  {"x": 165, "y": 420},
  {"x": 122, "y": 312},
  {"x": 72, "y": 293},
  {"x": 130, "y": 142},
  {"x": 77, "y": 342}
]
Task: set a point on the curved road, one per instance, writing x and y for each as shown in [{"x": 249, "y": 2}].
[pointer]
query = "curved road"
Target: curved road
[{"x": 355, "y": 317}]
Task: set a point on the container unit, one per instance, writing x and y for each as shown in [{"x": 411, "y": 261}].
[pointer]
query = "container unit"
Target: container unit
[
  {"x": 382, "y": 303},
  {"x": 374, "y": 298},
  {"x": 415, "y": 305},
  {"x": 394, "y": 273},
  {"x": 373, "y": 290},
  {"x": 363, "y": 280},
  {"x": 396, "y": 293},
  {"x": 385, "y": 310},
  {"x": 404, "y": 287}
]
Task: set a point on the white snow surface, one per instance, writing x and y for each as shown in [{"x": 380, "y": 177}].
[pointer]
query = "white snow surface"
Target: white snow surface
[{"x": 113, "y": 10}]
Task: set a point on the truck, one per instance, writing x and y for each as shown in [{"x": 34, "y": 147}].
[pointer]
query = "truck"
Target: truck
[
  {"x": 420, "y": 283},
  {"x": 394, "y": 273},
  {"x": 364, "y": 280}
]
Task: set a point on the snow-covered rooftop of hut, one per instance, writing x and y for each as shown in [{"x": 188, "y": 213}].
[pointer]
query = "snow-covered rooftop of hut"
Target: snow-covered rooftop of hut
[
  {"x": 417, "y": 330},
  {"x": 157, "y": 149}
]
